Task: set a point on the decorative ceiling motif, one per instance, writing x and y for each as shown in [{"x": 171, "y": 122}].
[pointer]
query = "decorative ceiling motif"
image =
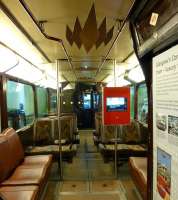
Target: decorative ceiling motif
[{"x": 90, "y": 35}]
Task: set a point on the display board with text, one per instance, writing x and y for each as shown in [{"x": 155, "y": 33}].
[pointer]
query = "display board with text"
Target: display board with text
[
  {"x": 165, "y": 125},
  {"x": 116, "y": 105}
]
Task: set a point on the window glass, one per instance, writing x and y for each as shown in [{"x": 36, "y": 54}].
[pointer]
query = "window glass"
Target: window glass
[
  {"x": 42, "y": 102},
  {"x": 20, "y": 104},
  {"x": 87, "y": 101},
  {"x": 52, "y": 101},
  {"x": 67, "y": 101},
  {"x": 132, "y": 102},
  {"x": 142, "y": 103}
]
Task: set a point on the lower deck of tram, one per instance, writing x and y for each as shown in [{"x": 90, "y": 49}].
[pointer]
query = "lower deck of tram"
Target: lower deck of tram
[{"x": 88, "y": 176}]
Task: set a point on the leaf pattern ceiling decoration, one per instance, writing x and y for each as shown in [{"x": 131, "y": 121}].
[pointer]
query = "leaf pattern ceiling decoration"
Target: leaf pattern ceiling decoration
[{"x": 90, "y": 34}]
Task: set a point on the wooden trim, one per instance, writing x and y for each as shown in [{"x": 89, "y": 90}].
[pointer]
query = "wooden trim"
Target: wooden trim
[
  {"x": 35, "y": 101},
  {"x": 136, "y": 102},
  {"x": 146, "y": 65},
  {"x": 3, "y": 102},
  {"x": 48, "y": 93}
]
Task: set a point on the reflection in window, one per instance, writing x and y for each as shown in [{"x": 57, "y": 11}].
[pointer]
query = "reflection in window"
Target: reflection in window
[
  {"x": 142, "y": 103},
  {"x": 42, "y": 102},
  {"x": 20, "y": 104},
  {"x": 52, "y": 101},
  {"x": 132, "y": 102},
  {"x": 87, "y": 101},
  {"x": 96, "y": 100}
]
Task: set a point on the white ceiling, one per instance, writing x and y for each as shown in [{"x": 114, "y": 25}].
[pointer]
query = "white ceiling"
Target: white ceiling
[{"x": 58, "y": 14}]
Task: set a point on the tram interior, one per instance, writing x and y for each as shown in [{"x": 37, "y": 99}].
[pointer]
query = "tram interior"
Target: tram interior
[{"x": 55, "y": 59}]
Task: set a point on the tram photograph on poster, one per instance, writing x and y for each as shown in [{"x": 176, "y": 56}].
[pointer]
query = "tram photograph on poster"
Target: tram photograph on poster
[{"x": 163, "y": 174}]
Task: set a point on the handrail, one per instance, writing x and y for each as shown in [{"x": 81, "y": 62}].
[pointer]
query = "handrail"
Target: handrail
[
  {"x": 60, "y": 41},
  {"x": 16, "y": 53},
  {"x": 118, "y": 34}
]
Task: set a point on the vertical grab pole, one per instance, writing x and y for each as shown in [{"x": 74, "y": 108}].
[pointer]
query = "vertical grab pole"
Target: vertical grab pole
[
  {"x": 58, "y": 119},
  {"x": 115, "y": 140}
]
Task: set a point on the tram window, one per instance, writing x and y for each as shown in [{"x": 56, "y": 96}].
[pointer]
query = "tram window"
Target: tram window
[
  {"x": 52, "y": 101},
  {"x": 87, "y": 101},
  {"x": 132, "y": 102},
  {"x": 20, "y": 104},
  {"x": 142, "y": 103},
  {"x": 96, "y": 99},
  {"x": 42, "y": 101}
]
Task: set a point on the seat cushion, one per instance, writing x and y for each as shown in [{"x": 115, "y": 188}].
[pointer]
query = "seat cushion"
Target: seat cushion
[
  {"x": 15, "y": 147},
  {"x": 138, "y": 168},
  {"x": 4, "y": 159},
  {"x": 19, "y": 193},
  {"x": 24, "y": 175},
  {"x": 124, "y": 147},
  {"x": 51, "y": 149},
  {"x": 131, "y": 132},
  {"x": 140, "y": 165},
  {"x": 38, "y": 160}
]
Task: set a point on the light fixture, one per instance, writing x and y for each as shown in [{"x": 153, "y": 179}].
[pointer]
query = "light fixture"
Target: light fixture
[
  {"x": 127, "y": 78},
  {"x": 26, "y": 71},
  {"x": 7, "y": 59},
  {"x": 136, "y": 74},
  {"x": 122, "y": 82},
  {"x": 132, "y": 61},
  {"x": 15, "y": 39}
]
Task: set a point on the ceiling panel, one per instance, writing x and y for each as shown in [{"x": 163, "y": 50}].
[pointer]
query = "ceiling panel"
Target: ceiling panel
[
  {"x": 123, "y": 45},
  {"x": 59, "y": 14}
]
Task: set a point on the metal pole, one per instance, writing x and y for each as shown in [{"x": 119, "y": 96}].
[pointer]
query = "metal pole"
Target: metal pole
[
  {"x": 115, "y": 141},
  {"x": 58, "y": 118}
]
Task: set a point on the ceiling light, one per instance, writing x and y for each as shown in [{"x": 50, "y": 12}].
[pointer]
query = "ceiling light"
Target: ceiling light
[
  {"x": 15, "y": 39},
  {"x": 122, "y": 82},
  {"x": 136, "y": 75},
  {"x": 132, "y": 61},
  {"x": 8, "y": 59}
]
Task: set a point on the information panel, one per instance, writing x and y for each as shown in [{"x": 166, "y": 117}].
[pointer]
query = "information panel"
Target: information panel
[
  {"x": 116, "y": 105},
  {"x": 165, "y": 125}
]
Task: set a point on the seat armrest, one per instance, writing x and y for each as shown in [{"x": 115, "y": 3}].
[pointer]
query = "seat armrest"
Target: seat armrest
[
  {"x": 2, "y": 197},
  {"x": 118, "y": 140}
]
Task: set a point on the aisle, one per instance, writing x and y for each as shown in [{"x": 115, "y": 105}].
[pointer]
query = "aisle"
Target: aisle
[
  {"x": 88, "y": 163},
  {"x": 89, "y": 178}
]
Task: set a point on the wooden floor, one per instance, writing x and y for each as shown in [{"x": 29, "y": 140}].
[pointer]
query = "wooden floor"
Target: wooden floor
[{"x": 89, "y": 178}]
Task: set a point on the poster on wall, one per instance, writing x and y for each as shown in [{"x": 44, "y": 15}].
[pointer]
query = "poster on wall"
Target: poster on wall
[
  {"x": 165, "y": 125},
  {"x": 161, "y": 124},
  {"x": 116, "y": 105},
  {"x": 163, "y": 174}
]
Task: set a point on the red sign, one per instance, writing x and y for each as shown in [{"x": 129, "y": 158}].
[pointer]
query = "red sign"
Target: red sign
[{"x": 116, "y": 105}]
